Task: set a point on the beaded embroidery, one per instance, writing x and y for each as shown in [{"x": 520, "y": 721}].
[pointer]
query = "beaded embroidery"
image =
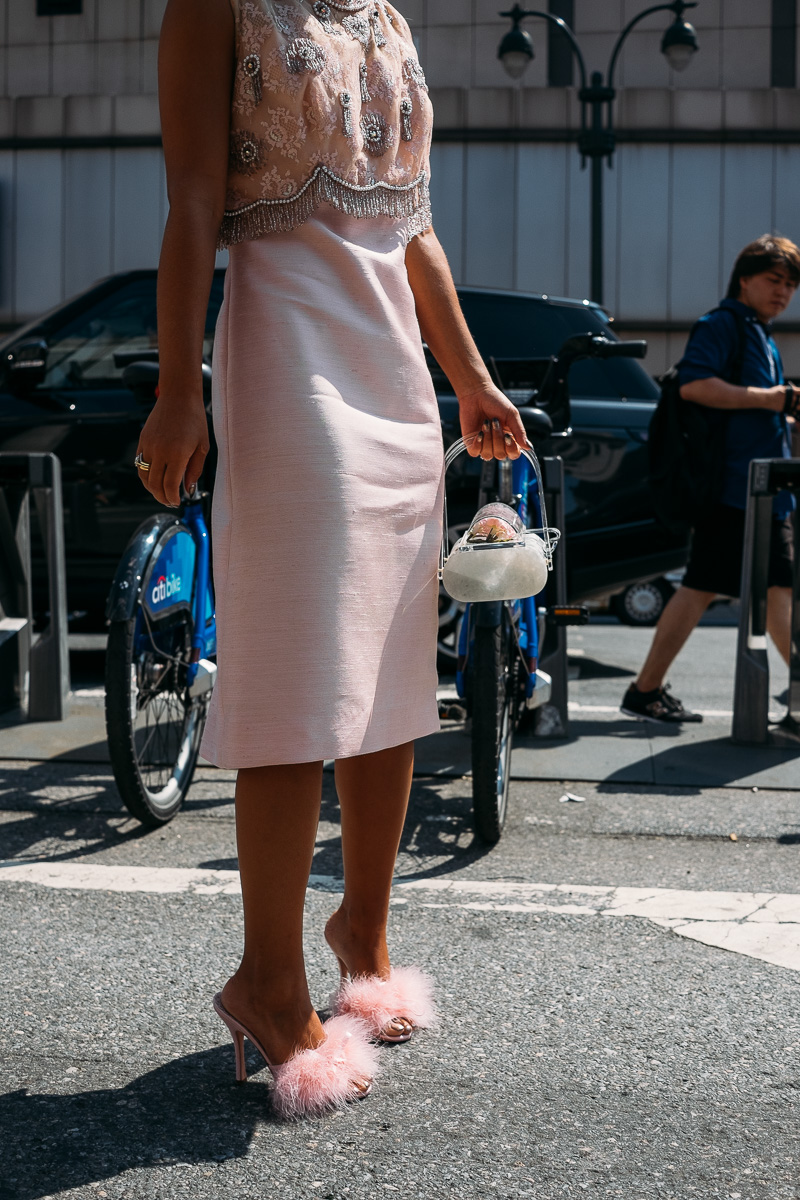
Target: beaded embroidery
[
  {"x": 322, "y": 12},
  {"x": 245, "y": 152},
  {"x": 406, "y": 109},
  {"x": 377, "y": 32},
  {"x": 276, "y": 215},
  {"x": 362, "y": 74},
  {"x": 252, "y": 69},
  {"x": 346, "y": 101},
  {"x": 414, "y": 73},
  {"x": 340, "y": 119},
  {"x": 358, "y": 28},
  {"x": 377, "y": 133},
  {"x": 305, "y": 55}
]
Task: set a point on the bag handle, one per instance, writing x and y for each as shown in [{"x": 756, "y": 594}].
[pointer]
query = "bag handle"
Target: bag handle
[{"x": 549, "y": 536}]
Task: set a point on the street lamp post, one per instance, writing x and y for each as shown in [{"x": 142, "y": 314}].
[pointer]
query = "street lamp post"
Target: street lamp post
[{"x": 597, "y": 139}]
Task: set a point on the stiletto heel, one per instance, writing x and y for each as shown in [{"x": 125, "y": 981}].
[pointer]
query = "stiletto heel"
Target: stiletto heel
[
  {"x": 238, "y": 1045},
  {"x": 312, "y": 1082}
]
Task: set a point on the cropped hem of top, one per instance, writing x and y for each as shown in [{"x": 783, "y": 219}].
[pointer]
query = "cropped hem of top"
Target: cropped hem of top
[
  {"x": 278, "y": 215},
  {"x": 329, "y": 106}
]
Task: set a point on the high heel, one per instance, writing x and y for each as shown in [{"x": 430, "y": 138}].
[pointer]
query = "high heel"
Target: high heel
[
  {"x": 312, "y": 1082},
  {"x": 407, "y": 994}
]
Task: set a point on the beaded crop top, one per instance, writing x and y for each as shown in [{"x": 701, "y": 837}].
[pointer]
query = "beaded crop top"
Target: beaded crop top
[{"x": 329, "y": 105}]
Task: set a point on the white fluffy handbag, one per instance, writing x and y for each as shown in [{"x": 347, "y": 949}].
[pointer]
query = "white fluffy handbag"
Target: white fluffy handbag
[{"x": 497, "y": 558}]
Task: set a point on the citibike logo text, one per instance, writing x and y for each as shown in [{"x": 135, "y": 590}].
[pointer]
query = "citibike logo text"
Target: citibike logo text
[{"x": 165, "y": 587}]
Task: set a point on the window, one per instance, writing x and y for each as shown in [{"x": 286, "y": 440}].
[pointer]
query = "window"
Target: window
[
  {"x": 783, "y": 64},
  {"x": 58, "y": 8},
  {"x": 559, "y": 51},
  {"x": 92, "y": 349},
  {"x": 520, "y": 328}
]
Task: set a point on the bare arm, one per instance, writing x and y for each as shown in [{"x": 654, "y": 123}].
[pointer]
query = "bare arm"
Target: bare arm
[
  {"x": 445, "y": 330},
  {"x": 716, "y": 393},
  {"x": 195, "y": 73}
]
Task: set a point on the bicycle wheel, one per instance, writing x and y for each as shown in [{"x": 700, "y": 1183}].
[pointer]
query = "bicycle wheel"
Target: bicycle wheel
[
  {"x": 154, "y": 727},
  {"x": 494, "y": 669}
]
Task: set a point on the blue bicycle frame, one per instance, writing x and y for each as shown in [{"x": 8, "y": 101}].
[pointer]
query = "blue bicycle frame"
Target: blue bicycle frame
[
  {"x": 179, "y": 576},
  {"x": 523, "y": 611}
]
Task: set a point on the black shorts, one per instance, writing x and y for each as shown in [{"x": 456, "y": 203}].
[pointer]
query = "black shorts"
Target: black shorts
[{"x": 715, "y": 563}]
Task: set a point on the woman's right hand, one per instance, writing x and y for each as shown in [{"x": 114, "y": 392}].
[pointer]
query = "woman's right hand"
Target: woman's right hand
[{"x": 175, "y": 442}]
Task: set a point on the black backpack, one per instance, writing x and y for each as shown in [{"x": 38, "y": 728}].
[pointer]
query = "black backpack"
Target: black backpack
[{"x": 686, "y": 446}]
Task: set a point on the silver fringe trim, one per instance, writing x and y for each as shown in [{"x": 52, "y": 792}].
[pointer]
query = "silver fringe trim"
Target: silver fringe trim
[
  {"x": 419, "y": 221},
  {"x": 410, "y": 200}
]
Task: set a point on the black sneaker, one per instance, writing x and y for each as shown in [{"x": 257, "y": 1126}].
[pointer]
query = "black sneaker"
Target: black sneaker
[{"x": 657, "y": 705}]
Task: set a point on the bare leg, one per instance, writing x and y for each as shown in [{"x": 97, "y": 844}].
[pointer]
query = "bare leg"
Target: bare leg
[
  {"x": 373, "y": 794},
  {"x": 779, "y": 619},
  {"x": 677, "y": 621},
  {"x": 277, "y": 812}
]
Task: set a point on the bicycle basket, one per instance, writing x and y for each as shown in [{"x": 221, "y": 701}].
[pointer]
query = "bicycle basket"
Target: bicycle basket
[{"x": 497, "y": 558}]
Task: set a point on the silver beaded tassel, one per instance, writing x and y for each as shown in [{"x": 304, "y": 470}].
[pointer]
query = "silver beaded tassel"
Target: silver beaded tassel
[
  {"x": 252, "y": 69},
  {"x": 370, "y": 200},
  {"x": 362, "y": 72},
  {"x": 377, "y": 32},
  {"x": 346, "y": 101},
  {"x": 406, "y": 109}
]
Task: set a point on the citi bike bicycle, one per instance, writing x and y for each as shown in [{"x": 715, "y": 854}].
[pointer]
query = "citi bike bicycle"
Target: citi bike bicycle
[
  {"x": 499, "y": 643},
  {"x": 160, "y": 660}
]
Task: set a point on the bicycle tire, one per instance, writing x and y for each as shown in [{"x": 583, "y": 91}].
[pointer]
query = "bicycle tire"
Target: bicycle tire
[
  {"x": 492, "y": 728},
  {"x": 134, "y": 778}
]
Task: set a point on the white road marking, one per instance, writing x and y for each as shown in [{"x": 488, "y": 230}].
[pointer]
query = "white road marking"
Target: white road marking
[{"x": 764, "y": 925}]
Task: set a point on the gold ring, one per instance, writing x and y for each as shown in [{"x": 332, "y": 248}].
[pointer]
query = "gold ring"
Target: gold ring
[{"x": 140, "y": 464}]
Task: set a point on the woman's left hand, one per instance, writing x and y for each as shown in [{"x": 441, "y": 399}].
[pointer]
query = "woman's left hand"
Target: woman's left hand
[{"x": 490, "y": 424}]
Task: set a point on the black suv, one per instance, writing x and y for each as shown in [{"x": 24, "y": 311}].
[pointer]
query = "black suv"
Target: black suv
[{"x": 61, "y": 390}]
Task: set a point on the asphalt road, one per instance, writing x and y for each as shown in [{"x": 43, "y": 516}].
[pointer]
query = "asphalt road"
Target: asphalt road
[{"x": 581, "y": 1052}]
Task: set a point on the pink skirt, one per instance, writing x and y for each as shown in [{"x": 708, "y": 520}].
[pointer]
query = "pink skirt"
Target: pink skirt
[{"x": 327, "y": 502}]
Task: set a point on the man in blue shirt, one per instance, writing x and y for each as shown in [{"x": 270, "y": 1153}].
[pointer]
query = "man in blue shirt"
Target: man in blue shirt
[{"x": 737, "y": 334}]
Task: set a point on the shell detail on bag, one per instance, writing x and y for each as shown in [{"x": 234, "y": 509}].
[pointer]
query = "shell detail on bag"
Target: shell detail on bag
[{"x": 329, "y": 106}]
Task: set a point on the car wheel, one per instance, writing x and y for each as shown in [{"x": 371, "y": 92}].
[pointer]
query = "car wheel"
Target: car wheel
[{"x": 642, "y": 603}]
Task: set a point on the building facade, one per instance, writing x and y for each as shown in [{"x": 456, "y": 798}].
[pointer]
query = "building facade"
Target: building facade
[{"x": 707, "y": 159}]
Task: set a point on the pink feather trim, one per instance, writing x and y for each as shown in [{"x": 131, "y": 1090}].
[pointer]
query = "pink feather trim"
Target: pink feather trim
[
  {"x": 408, "y": 992},
  {"x": 316, "y": 1081}
]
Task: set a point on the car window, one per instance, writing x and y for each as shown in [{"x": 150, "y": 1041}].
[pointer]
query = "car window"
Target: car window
[
  {"x": 92, "y": 350},
  {"x": 519, "y": 327}
]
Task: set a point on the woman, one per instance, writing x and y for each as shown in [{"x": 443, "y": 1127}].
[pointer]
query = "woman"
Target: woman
[{"x": 298, "y": 135}]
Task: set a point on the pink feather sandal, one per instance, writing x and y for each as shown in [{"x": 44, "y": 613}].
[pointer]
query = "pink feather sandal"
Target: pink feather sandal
[
  {"x": 406, "y": 996},
  {"x": 312, "y": 1082}
]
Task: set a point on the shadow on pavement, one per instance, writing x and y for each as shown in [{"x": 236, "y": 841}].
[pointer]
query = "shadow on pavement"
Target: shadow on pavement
[
  {"x": 713, "y": 762},
  {"x": 188, "y": 1110},
  {"x": 437, "y": 838},
  {"x": 593, "y": 668}
]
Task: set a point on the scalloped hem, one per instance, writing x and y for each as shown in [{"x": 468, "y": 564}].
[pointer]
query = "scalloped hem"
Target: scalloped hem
[{"x": 323, "y": 186}]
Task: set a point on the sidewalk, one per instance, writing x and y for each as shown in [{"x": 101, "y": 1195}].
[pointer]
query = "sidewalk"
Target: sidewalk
[
  {"x": 617, "y": 979},
  {"x": 603, "y": 745}
]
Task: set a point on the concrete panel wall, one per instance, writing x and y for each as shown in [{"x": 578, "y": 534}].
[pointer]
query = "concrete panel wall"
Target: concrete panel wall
[
  {"x": 509, "y": 216},
  {"x": 111, "y": 47}
]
